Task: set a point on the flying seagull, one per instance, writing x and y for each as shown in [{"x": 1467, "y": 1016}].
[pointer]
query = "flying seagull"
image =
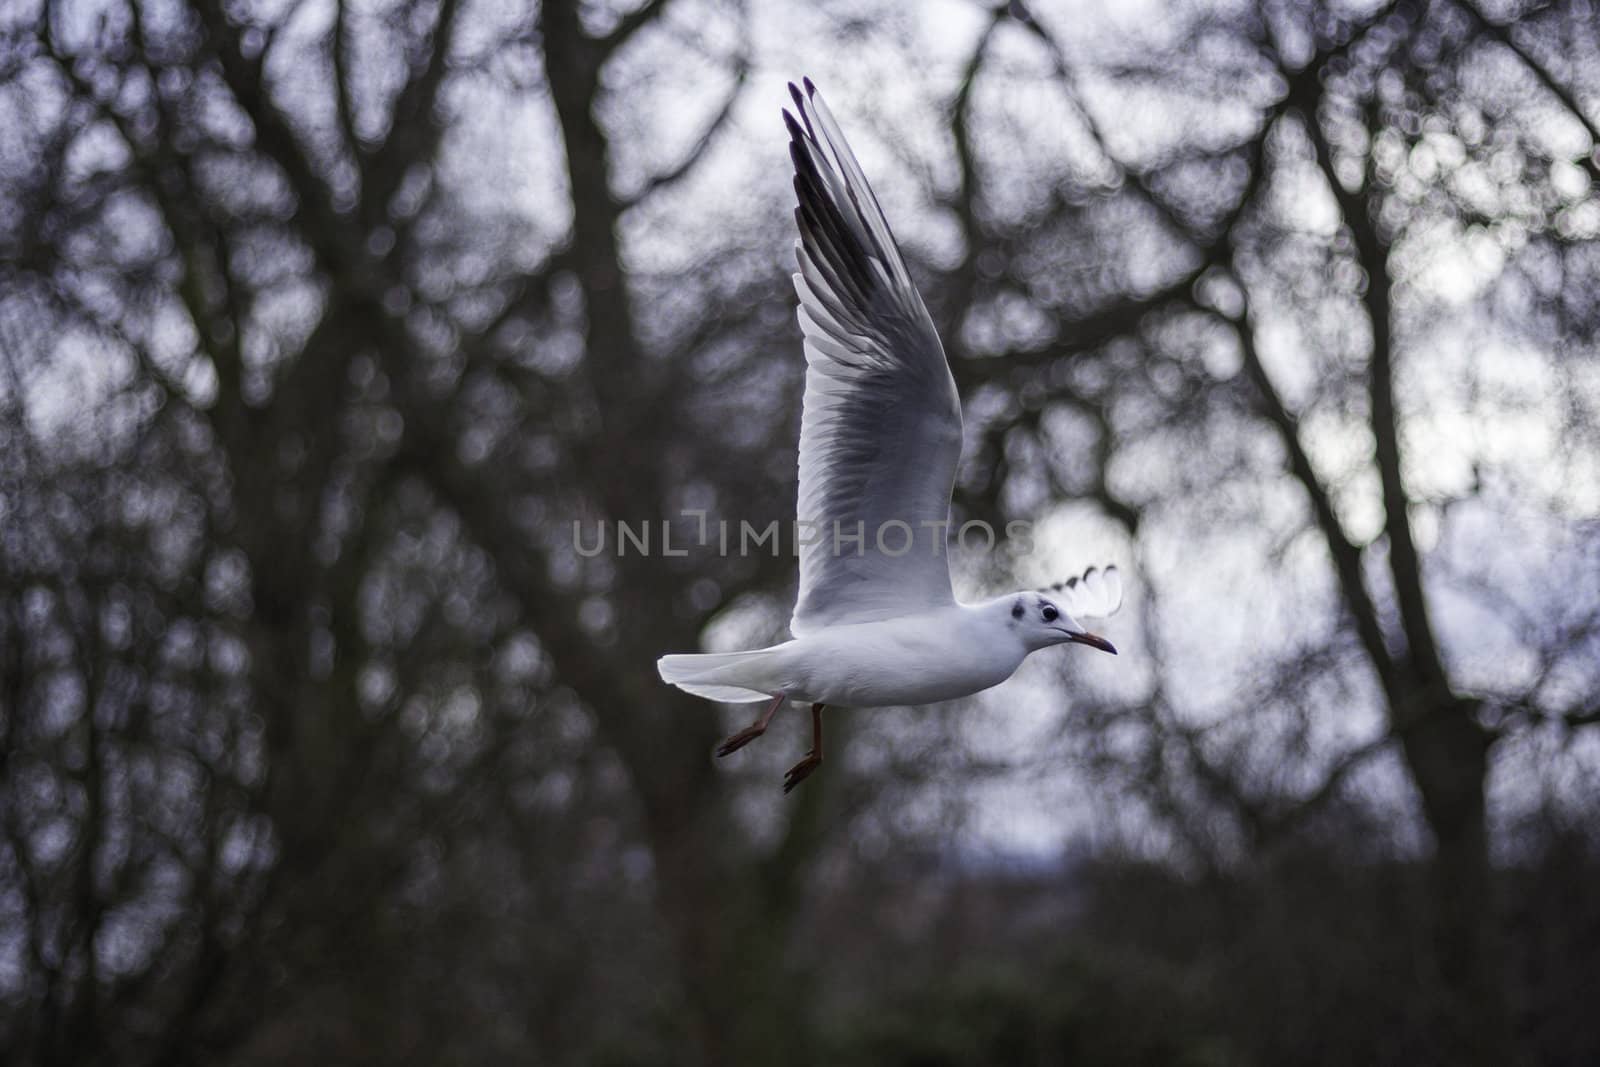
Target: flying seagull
[{"x": 876, "y": 622}]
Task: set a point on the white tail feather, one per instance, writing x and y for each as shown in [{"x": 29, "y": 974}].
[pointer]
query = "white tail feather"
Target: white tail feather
[{"x": 724, "y": 676}]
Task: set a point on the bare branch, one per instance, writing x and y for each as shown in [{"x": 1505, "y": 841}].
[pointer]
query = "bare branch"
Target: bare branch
[
  {"x": 668, "y": 177},
  {"x": 341, "y": 77},
  {"x": 1346, "y": 556},
  {"x": 960, "y": 128},
  {"x": 414, "y": 129},
  {"x": 1405, "y": 562},
  {"x": 1303, "y": 808},
  {"x": 1502, "y": 33},
  {"x": 1138, "y": 180},
  {"x": 631, "y": 24},
  {"x": 277, "y": 140}
]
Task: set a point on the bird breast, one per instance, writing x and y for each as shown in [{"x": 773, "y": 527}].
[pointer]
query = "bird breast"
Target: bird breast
[{"x": 914, "y": 660}]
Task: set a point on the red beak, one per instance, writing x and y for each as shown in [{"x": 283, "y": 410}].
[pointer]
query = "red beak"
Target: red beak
[{"x": 1094, "y": 641}]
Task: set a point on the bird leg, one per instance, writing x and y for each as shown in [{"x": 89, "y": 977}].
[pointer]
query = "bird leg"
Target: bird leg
[
  {"x": 753, "y": 731},
  {"x": 800, "y": 771}
]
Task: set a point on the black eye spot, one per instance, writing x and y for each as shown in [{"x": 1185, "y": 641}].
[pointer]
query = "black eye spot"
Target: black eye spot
[
  {"x": 1016, "y": 610},
  {"x": 1050, "y": 613}
]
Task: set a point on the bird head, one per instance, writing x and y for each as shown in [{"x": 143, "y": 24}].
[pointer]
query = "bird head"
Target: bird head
[
  {"x": 1047, "y": 617},
  {"x": 1042, "y": 622}
]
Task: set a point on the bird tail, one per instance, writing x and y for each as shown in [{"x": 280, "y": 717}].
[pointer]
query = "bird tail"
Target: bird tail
[{"x": 731, "y": 677}]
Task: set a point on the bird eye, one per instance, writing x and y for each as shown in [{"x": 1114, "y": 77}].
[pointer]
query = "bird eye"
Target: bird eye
[{"x": 1049, "y": 613}]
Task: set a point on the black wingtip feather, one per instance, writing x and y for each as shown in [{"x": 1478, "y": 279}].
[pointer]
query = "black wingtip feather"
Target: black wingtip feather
[
  {"x": 837, "y": 250},
  {"x": 800, "y": 157},
  {"x": 826, "y": 222},
  {"x": 833, "y": 253},
  {"x": 1066, "y": 586},
  {"x": 811, "y": 90}
]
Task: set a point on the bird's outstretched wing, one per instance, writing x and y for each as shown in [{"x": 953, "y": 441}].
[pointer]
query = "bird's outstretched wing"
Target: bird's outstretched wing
[
  {"x": 881, "y": 435},
  {"x": 1095, "y": 595}
]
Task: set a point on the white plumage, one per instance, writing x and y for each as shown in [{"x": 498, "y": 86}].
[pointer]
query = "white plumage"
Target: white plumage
[{"x": 875, "y": 622}]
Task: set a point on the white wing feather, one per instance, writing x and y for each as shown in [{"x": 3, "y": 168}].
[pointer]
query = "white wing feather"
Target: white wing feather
[{"x": 880, "y": 438}]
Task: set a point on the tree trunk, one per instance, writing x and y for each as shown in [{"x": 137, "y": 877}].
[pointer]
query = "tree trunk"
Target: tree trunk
[
  {"x": 1447, "y": 753},
  {"x": 730, "y": 948}
]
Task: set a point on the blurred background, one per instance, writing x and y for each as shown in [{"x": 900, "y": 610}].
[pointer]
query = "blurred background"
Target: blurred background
[{"x": 323, "y": 323}]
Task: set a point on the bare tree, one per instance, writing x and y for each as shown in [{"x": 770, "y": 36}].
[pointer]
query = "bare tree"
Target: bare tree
[
  {"x": 1353, "y": 110},
  {"x": 313, "y": 358},
  {"x": 338, "y": 339}
]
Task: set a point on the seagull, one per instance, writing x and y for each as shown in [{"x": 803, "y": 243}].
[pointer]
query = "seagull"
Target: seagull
[{"x": 876, "y": 623}]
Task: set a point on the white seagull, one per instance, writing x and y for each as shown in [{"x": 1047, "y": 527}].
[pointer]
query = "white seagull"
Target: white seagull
[{"x": 876, "y": 622}]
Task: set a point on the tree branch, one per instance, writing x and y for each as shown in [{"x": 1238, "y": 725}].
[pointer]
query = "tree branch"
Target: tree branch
[
  {"x": 661, "y": 181},
  {"x": 1346, "y": 556},
  {"x": 275, "y": 138},
  {"x": 341, "y": 79},
  {"x": 631, "y": 24},
  {"x": 414, "y": 129},
  {"x": 1405, "y": 562},
  {"x": 1501, "y": 33}
]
